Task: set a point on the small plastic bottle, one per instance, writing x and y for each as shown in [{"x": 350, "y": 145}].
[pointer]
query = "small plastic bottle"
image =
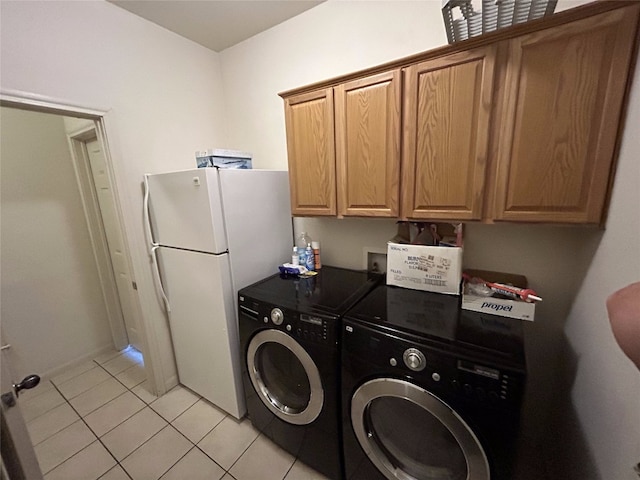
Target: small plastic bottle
[
  {"x": 302, "y": 241},
  {"x": 309, "y": 260},
  {"x": 295, "y": 259},
  {"x": 316, "y": 255},
  {"x": 302, "y": 257}
]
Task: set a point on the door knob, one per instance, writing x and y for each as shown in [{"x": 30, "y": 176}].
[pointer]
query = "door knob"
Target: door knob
[
  {"x": 8, "y": 398},
  {"x": 27, "y": 382}
]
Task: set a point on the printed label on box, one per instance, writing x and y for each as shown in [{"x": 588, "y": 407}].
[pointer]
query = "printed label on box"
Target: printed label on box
[
  {"x": 433, "y": 269},
  {"x": 500, "y": 307}
]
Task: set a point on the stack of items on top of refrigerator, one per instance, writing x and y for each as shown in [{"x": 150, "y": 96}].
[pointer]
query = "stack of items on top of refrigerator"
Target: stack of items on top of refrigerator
[{"x": 224, "y": 158}]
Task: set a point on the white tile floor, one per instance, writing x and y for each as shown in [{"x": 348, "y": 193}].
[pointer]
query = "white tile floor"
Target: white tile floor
[{"x": 98, "y": 421}]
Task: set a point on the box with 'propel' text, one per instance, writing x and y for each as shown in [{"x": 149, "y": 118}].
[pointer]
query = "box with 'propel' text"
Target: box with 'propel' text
[{"x": 499, "y": 306}]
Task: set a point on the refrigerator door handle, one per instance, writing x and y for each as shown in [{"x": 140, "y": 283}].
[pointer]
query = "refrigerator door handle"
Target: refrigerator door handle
[
  {"x": 157, "y": 280},
  {"x": 147, "y": 216}
]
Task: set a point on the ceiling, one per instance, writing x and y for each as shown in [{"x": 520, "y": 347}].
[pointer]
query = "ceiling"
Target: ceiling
[{"x": 216, "y": 24}]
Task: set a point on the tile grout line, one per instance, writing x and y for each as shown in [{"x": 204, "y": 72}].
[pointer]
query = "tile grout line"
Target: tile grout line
[
  {"x": 46, "y": 411},
  {"x": 194, "y": 445},
  {"x": 118, "y": 463},
  {"x": 169, "y": 423},
  {"x": 146, "y": 404},
  {"x": 244, "y": 451},
  {"x": 147, "y": 440},
  {"x": 67, "y": 401},
  {"x": 97, "y": 437},
  {"x": 55, "y": 387}
]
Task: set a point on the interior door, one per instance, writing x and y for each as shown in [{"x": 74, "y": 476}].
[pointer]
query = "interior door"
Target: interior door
[
  {"x": 115, "y": 240},
  {"x": 19, "y": 460},
  {"x": 394, "y": 420}
]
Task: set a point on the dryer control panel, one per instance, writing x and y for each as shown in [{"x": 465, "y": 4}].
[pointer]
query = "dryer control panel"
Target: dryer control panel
[
  {"x": 443, "y": 368},
  {"x": 313, "y": 328},
  {"x": 481, "y": 382},
  {"x": 307, "y": 328}
]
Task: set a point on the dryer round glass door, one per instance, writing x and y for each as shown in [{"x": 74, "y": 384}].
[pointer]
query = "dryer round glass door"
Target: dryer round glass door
[
  {"x": 409, "y": 433},
  {"x": 285, "y": 377}
]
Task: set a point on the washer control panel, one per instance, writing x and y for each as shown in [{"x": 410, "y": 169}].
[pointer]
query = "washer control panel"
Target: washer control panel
[
  {"x": 311, "y": 328},
  {"x": 302, "y": 326}
]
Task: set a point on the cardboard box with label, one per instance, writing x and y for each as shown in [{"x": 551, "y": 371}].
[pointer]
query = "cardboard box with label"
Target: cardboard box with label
[{"x": 433, "y": 269}]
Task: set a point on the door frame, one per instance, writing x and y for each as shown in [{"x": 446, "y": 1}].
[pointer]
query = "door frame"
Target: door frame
[
  {"x": 77, "y": 144},
  {"x": 159, "y": 379}
]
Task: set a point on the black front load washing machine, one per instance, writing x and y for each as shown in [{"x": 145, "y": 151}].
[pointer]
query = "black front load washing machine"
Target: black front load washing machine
[
  {"x": 289, "y": 335},
  {"x": 430, "y": 392}
]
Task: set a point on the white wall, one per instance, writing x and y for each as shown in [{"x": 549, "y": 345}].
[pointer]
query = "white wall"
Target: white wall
[
  {"x": 331, "y": 39},
  {"x": 163, "y": 94},
  {"x": 53, "y": 313},
  {"x": 340, "y": 37},
  {"x": 605, "y": 388}
]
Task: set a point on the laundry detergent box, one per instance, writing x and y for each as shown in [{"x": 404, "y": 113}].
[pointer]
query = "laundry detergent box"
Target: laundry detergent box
[{"x": 421, "y": 267}]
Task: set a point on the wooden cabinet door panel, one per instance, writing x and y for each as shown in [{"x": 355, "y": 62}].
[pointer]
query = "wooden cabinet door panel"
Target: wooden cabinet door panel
[
  {"x": 311, "y": 151},
  {"x": 447, "y": 121},
  {"x": 368, "y": 145},
  {"x": 564, "y": 89}
]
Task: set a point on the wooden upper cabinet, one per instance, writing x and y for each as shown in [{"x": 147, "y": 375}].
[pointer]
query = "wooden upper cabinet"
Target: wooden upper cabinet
[
  {"x": 447, "y": 109},
  {"x": 367, "y": 116},
  {"x": 311, "y": 151},
  {"x": 522, "y": 126},
  {"x": 564, "y": 90}
]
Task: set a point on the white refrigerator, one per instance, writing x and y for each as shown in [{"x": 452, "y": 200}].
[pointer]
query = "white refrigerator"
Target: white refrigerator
[{"x": 213, "y": 231}]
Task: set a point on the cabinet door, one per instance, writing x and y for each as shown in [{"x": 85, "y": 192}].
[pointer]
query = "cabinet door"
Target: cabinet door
[
  {"x": 368, "y": 145},
  {"x": 564, "y": 92},
  {"x": 447, "y": 120},
  {"x": 311, "y": 151}
]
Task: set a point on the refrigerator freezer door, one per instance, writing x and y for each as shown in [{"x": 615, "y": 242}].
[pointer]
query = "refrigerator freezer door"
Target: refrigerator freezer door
[
  {"x": 186, "y": 211},
  {"x": 203, "y": 325},
  {"x": 257, "y": 215}
]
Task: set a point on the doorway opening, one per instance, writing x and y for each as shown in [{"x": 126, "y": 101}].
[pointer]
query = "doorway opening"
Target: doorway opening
[
  {"x": 107, "y": 236},
  {"x": 67, "y": 282}
]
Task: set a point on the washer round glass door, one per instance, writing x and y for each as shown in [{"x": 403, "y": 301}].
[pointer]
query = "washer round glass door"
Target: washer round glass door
[
  {"x": 410, "y": 434},
  {"x": 285, "y": 377}
]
